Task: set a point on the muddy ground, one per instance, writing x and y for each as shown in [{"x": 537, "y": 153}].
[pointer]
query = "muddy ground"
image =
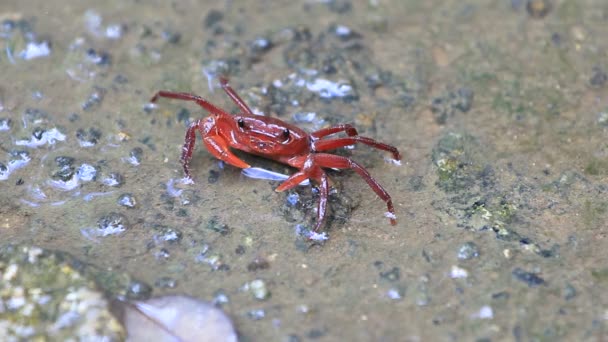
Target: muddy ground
[{"x": 499, "y": 109}]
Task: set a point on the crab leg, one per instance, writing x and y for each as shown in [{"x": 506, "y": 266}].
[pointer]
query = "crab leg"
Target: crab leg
[
  {"x": 293, "y": 181},
  {"x": 330, "y": 144},
  {"x": 189, "y": 146},
  {"x": 323, "y": 180},
  {"x": 339, "y": 162},
  {"x": 189, "y": 97},
  {"x": 216, "y": 145},
  {"x": 349, "y": 129},
  {"x": 235, "y": 97},
  {"x": 219, "y": 148}
]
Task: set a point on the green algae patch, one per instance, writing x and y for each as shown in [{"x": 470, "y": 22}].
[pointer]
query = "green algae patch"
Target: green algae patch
[{"x": 45, "y": 298}]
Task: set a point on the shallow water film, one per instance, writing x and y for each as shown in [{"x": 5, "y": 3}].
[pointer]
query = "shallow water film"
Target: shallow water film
[{"x": 498, "y": 108}]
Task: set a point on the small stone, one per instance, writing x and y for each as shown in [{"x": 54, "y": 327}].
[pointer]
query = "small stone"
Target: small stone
[
  {"x": 213, "y": 176},
  {"x": 527, "y": 277},
  {"x": 138, "y": 290},
  {"x": 127, "y": 200},
  {"x": 165, "y": 283},
  {"x": 220, "y": 298},
  {"x": 394, "y": 294},
  {"x": 458, "y": 272},
  {"x": 135, "y": 156},
  {"x": 213, "y": 17},
  {"x": 94, "y": 99},
  {"x": 258, "y": 264},
  {"x": 5, "y": 124},
  {"x": 538, "y": 8},
  {"x": 89, "y": 137},
  {"x": 114, "y": 179},
  {"x": 392, "y": 275},
  {"x": 167, "y": 234},
  {"x": 598, "y": 77},
  {"x": 569, "y": 292},
  {"x": 602, "y": 119},
  {"x": 293, "y": 199},
  {"x": 257, "y": 314},
  {"x": 112, "y": 223},
  {"x": 468, "y": 250},
  {"x": 258, "y": 289}
]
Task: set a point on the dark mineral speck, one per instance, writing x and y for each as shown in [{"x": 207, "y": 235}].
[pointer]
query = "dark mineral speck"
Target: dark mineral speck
[
  {"x": 162, "y": 254},
  {"x": 598, "y": 77},
  {"x": 3, "y": 170},
  {"x": 98, "y": 58},
  {"x": 468, "y": 250},
  {"x": 258, "y": 264},
  {"x": 37, "y": 133},
  {"x": 339, "y": 6},
  {"x": 240, "y": 250},
  {"x": 127, "y": 200},
  {"x": 121, "y": 79},
  {"x": 259, "y": 46},
  {"x": 314, "y": 334},
  {"x": 213, "y": 17},
  {"x": 32, "y": 115},
  {"x": 527, "y": 277},
  {"x": 215, "y": 225},
  {"x": 502, "y": 295},
  {"x": 88, "y": 138},
  {"x": 94, "y": 99},
  {"x": 445, "y": 106},
  {"x": 392, "y": 275},
  {"x": 213, "y": 176},
  {"x": 569, "y": 292},
  {"x": 172, "y": 37},
  {"x": 62, "y": 161},
  {"x": 538, "y": 8},
  {"x": 183, "y": 115},
  {"x": 189, "y": 197}
]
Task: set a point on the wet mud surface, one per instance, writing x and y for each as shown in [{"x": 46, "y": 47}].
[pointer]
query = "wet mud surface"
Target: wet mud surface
[{"x": 500, "y": 111}]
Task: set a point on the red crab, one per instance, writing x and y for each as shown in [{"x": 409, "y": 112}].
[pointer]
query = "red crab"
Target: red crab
[{"x": 275, "y": 139}]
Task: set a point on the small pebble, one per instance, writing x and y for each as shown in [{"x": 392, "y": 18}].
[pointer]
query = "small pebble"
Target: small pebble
[
  {"x": 468, "y": 250},
  {"x": 111, "y": 224},
  {"x": 257, "y": 314},
  {"x": 258, "y": 289},
  {"x": 165, "y": 283},
  {"x": 127, "y": 200},
  {"x": 114, "y": 179},
  {"x": 258, "y": 264},
  {"x": 392, "y": 275},
  {"x": 527, "y": 277},
  {"x": 138, "y": 290},
  {"x": 458, "y": 272},
  {"x": 538, "y": 8}
]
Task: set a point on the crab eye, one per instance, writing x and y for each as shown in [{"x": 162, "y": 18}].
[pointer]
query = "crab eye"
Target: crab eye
[
  {"x": 241, "y": 123},
  {"x": 286, "y": 133}
]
